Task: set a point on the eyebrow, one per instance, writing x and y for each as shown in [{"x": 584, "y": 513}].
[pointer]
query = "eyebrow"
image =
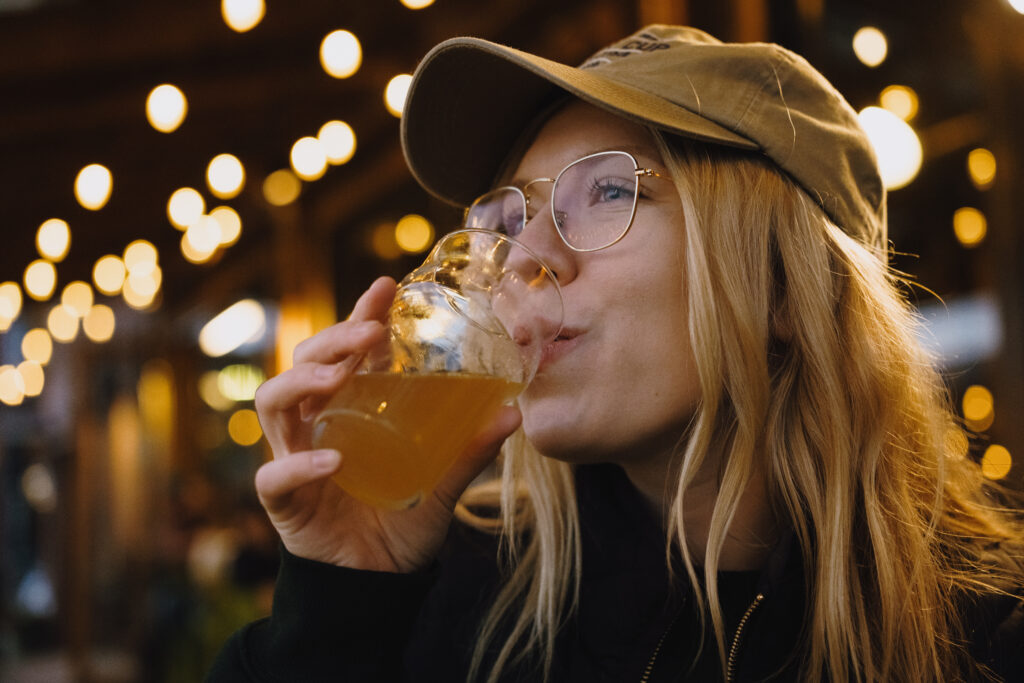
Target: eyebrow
[{"x": 639, "y": 152}]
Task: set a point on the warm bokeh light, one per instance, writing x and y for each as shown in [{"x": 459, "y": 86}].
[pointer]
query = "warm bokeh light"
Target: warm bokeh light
[
  {"x": 900, "y": 100},
  {"x": 230, "y": 224},
  {"x": 896, "y": 145},
  {"x": 140, "y": 254},
  {"x": 99, "y": 323},
  {"x": 225, "y": 176},
  {"x": 40, "y": 279},
  {"x": 308, "y": 158},
  {"x": 382, "y": 242},
  {"x": 996, "y": 462},
  {"x": 340, "y": 53},
  {"x": 242, "y": 15},
  {"x": 978, "y": 407},
  {"x": 93, "y": 185},
  {"x": 77, "y": 297},
  {"x": 239, "y": 382},
  {"x": 281, "y": 187},
  {"x": 185, "y": 207},
  {"x": 414, "y": 233},
  {"x": 395, "y": 92},
  {"x": 62, "y": 324},
  {"x": 204, "y": 235},
  {"x": 209, "y": 391},
  {"x": 417, "y": 4},
  {"x": 193, "y": 255},
  {"x": 1018, "y": 5},
  {"x": 141, "y": 287},
  {"x": 12, "y": 386},
  {"x": 238, "y": 324},
  {"x": 37, "y": 345},
  {"x": 10, "y": 304},
  {"x": 969, "y": 226},
  {"x": 244, "y": 427},
  {"x": 870, "y": 46},
  {"x": 981, "y": 166},
  {"x": 32, "y": 376},
  {"x": 39, "y": 488},
  {"x": 339, "y": 141},
  {"x": 53, "y": 239},
  {"x": 108, "y": 274},
  {"x": 166, "y": 107}
]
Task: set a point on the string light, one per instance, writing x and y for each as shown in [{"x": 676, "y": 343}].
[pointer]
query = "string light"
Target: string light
[
  {"x": 53, "y": 239},
  {"x": 339, "y": 141},
  {"x": 969, "y": 226},
  {"x": 77, "y": 298},
  {"x": 996, "y": 462},
  {"x": 166, "y": 107},
  {"x": 99, "y": 323},
  {"x": 242, "y": 15},
  {"x": 414, "y": 233},
  {"x": 308, "y": 158},
  {"x": 282, "y": 187},
  {"x": 108, "y": 274},
  {"x": 340, "y": 54},
  {"x": 225, "y": 176},
  {"x": 900, "y": 100},
  {"x": 37, "y": 345},
  {"x": 93, "y": 185},
  {"x": 32, "y": 377},
  {"x": 981, "y": 166},
  {"x": 870, "y": 46},
  {"x": 230, "y": 224},
  {"x": 395, "y": 92},
  {"x": 40, "y": 279},
  {"x": 896, "y": 145},
  {"x": 62, "y": 323},
  {"x": 185, "y": 207}
]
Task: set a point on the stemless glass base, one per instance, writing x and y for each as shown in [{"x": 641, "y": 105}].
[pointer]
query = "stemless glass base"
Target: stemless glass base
[{"x": 438, "y": 413}]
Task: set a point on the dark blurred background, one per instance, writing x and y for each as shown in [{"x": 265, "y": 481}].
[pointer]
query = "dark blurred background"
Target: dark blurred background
[{"x": 131, "y": 543}]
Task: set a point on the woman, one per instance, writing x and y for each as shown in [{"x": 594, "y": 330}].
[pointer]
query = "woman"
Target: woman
[{"x": 735, "y": 463}]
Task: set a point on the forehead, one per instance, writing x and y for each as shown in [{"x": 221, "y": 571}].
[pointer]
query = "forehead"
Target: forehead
[{"x": 578, "y": 129}]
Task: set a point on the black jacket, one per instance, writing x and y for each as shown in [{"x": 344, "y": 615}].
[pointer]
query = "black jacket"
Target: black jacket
[{"x": 337, "y": 624}]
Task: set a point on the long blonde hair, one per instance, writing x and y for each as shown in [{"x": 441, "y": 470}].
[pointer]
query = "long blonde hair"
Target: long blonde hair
[{"x": 811, "y": 372}]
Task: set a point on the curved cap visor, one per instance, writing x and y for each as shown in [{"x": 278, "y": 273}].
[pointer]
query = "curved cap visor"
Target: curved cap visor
[{"x": 471, "y": 99}]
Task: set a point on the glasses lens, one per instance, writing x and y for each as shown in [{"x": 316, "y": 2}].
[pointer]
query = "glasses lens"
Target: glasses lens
[
  {"x": 594, "y": 199},
  {"x": 500, "y": 210}
]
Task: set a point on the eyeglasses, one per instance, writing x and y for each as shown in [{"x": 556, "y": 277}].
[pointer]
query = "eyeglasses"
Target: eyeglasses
[{"x": 593, "y": 202}]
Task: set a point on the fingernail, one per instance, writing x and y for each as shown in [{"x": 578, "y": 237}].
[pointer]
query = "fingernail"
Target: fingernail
[
  {"x": 326, "y": 459},
  {"x": 327, "y": 371}
]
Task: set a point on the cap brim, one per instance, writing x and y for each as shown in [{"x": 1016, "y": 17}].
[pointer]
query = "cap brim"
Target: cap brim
[{"x": 471, "y": 99}]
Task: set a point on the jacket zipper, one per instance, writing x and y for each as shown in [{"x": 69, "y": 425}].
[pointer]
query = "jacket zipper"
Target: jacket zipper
[
  {"x": 730, "y": 669},
  {"x": 733, "y": 651}
]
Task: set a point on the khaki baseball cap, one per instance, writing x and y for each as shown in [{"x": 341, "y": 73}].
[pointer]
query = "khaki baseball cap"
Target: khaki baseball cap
[{"x": 471, "y": 99}]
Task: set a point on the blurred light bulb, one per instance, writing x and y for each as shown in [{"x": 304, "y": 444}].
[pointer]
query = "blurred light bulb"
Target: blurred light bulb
[
  {"x": 77, "y": 298},
  {"x": 53, "y": 239},
  {"x": 896, "y": 145},
  {"x": 900, "y": 100},
  {"x": 37, "y": 345},
  {"x": 242, "y": 15},
  {"x": 309, "y": 158},
  {"x": 414, "y": 233},
  {"x": 32, "y": 377},
  {"x": 981, "y": 165},
  {"x": 969, "y": 226},
  {"x": 230, "y": 224},
  {"x": 340, "y": 53},
  {"x": 185, "y": 207},
  {"x": 870, "y": 46},
  {"x": 193, "y": 255},
  {"x": 92, "y": 186},
  {"x": 40, "y": 279},
  {"x": 12, "y": 386},
  {"x": 99, "y": 323},
  {"x": 240, "y": 323},
  {"x": 204, "y": 235},
  {"x": 417, "y": 4},
  {"x": 10, "y": 303},
  {"x": 108, "y": 274},
  {"x": 166, "y": 107},
  {"x": 62, "y": 323},
  {"x": 244, "y": 427},
  {"x": 395, "y": 92},
  {"x": 339, "y": 141},
  {"x": 281, "y": 187},
  {"x": 996, "y": 462},
  {"x": 140, "y": 254},
  {"x": 225, "y": 176}
]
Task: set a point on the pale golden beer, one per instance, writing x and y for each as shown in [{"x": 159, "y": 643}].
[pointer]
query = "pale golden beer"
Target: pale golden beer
[{"x": 398, "y": 433}]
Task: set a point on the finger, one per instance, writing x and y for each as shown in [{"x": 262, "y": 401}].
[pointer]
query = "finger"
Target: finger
[
  {"x": 481, "y": 452},
  {"x": 374, "y": 303},
  {"x": 278, "y": 479},
  {"x": 339, "y": 341},
  {"x": 285, "y": 402}
]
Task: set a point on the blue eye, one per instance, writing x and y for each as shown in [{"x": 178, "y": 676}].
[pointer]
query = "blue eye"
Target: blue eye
[{"x": 611, "y": 190}]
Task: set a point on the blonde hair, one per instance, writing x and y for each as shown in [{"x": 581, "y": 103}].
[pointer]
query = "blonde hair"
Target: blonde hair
[{"x": 811, "y": 373}]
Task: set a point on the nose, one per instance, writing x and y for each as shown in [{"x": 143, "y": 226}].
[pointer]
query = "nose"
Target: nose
[{"x": 541, "y": 237}]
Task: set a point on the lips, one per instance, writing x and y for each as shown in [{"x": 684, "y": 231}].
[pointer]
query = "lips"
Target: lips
[{"x": 567, "y": 340}]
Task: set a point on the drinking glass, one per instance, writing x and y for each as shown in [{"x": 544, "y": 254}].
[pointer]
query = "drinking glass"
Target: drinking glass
[{"x": 465, "y": 334}]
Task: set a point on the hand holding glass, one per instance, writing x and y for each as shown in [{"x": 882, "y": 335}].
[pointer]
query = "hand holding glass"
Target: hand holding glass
[{"x": 466, "y": 332}]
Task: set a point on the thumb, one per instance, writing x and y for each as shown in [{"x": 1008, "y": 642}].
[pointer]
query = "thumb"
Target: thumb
[{"x": 480, "y": 452}]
